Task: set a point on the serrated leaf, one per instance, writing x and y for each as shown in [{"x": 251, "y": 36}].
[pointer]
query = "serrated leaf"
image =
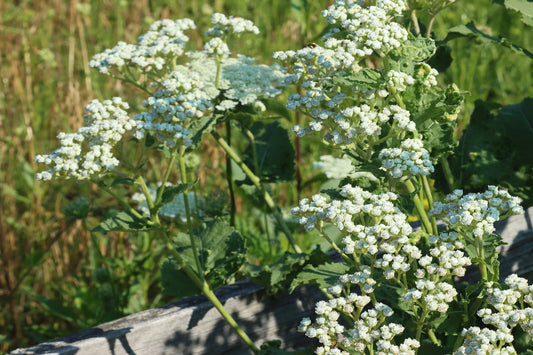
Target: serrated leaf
[
  {"x": 123, "y": 221},
  {"x": 200, "y": 127},
  {"x": 470, "y": 31},
  {"x": 525, "y": 7},
  {"x": 323, "y": 275}
]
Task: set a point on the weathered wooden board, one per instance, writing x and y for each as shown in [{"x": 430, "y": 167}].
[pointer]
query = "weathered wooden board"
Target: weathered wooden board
[{"x": 193, "y": 326}]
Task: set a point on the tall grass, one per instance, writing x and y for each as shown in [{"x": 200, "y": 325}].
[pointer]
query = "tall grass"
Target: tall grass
[{"x": 55, "y": 277}]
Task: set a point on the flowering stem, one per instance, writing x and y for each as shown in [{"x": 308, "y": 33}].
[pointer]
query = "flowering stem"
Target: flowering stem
[
  {"x": 206, "y": 290},
  {"x": 257, "y": 182},
  {"x": 419, "y": 207}
]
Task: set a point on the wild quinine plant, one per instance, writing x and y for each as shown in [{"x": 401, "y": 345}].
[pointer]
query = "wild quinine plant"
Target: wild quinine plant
[
  {"x": 374, "y": 97},
  {"x": 186, "y": 94},
  {"x": 369, "y": 90}
]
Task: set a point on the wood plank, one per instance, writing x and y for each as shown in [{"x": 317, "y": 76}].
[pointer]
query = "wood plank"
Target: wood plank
[{"x": 193, "y": 326}]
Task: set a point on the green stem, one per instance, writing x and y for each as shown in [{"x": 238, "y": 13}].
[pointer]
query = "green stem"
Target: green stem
[
  {"x": 419, "y": 205},
  {"x": 183, "y": 172},
  {"x": 229, "y": 178},
  {"x": 433, "y": 337},
  {"x": 139, "y": 180},
  {"x": 430, "y": 25},
  {"x": 420, "y": 324},
  {"x": 414, "y": 19},
  {"x": 429, "y": 196},
  {"x": 257, "y": 182},
  {"x": 206, "y": 290}
]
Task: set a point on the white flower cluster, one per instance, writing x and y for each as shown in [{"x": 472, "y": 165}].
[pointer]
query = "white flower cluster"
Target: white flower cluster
[
  {"x": 182, "y": 98},
  {"x": 411, "y": 159},
  {"x": 225, "y": 25},
  {"x": 241, "y": 81},
  {"x": 218, "y": 48},
  {"x": 368, "y": 30},
  {"x": 174, "y": 209},
  {"x": 445, "y": 258},
  {"x": 476, "y": 212},
  {"x": 89, "y": 152},
  {"x": 370, "y": 327},
  {"x": 398, "y": 81},
  {"x": 508, "y": 310},
  {"x": 344, "y": 213},
  {"x": 163, "y": 42},
  {"x": 482, "y": 341},
  {"x": 385, "y": 239},
  {"x": 354, "y": 124}
]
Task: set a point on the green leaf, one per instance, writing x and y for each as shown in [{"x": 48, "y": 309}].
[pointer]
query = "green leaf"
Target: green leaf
[
  {"x": 171, "y": 192},
  {"x": 470, "y": 31},
  {"x": 277, "y": 277},
  {"x": 77, "y": 209},
  {"x": 275, "y": 153},
  {"x": 365, "y": 77},
  {"x": 442, "y": 58},
  {"x": 123, "y": 181},
  {"x": 221, "y": 253},
  {"x": 199, "y": 128},
  {"x": 416, "y": 49},
  {"x": 176, "y": 282},
  {"x": 123, "y": 221},
  {"x": 277, "y": 107},
  {"x": 525, "y": 7},
  {"x": 323, "y": 275}
]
